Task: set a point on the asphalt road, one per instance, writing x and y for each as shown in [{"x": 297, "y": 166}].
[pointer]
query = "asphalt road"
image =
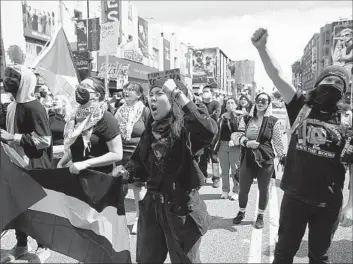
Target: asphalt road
[{"x": 225, "y": 242}]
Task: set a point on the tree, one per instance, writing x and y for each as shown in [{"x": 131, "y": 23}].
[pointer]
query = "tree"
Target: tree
[{"x": 277, "y": 95}]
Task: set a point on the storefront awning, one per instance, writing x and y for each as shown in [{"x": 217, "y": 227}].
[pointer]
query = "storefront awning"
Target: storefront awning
[{"x": 136, "y": 70}]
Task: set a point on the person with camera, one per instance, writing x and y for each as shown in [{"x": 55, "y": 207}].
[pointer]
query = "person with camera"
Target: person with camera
[{"x": 314, "y": 173}]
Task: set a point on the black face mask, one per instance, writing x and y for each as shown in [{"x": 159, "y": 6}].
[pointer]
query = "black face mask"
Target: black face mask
[
  {"x": 43, "y": 94},
  {"x": 82, "y": 96},
  {"x": 11, "y": 85},
  {"x": 326, "y": 97}
]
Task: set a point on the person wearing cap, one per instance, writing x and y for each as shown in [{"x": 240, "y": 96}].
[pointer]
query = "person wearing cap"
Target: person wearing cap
[
  {"x": 314, "y": 173},
  {"x": 29, "y": 134},
  {"x": 173, "y": 217}
]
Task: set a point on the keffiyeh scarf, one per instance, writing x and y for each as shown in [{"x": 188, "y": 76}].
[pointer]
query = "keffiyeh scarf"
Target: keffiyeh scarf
[
  {"x": 127, "y": 117},
  {"x": 82, "y": 122}
]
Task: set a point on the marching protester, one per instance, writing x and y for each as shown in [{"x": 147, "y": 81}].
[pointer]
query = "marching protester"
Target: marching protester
[
  {"x": 228, "y": 152},
  {"x": 259, "y": 133},
  {"x": 172, "y": 217},
  {"x": 314, "y": 175},
  {"x": 132, "y": 117},
  {"x": 214, "y": 110},
  {"x": 29, "y": 134},
  {"x": 244, "y": 104}
]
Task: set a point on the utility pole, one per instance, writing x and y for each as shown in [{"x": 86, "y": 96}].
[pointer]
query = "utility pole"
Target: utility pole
[
  {"x": 88, "y": 52},
  {"x": 61, "y": 12}
]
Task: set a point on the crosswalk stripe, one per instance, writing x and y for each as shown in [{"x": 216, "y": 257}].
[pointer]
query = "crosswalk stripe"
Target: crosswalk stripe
[
  {"x": 274, "y": 218},
  {"x": 256, "y": 240}
]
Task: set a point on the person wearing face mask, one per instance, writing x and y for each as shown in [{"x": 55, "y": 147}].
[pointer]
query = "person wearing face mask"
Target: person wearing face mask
[
  {"x": 45, "y": 97},
  {"x": 132, "y": 117},
  {"x": 259, "y": 134},
  {"x": 228, "y": 153},
  {"x": 173, "y": 217},
  {"x": 314, "y": 175},
  {"x": 214, "y": 110},
  {"x": 92, "y": 137},
  {"x": 29, "y": 134}
]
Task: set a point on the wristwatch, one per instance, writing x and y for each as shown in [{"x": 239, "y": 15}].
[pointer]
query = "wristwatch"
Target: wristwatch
[{"x": 245, "y": 142}]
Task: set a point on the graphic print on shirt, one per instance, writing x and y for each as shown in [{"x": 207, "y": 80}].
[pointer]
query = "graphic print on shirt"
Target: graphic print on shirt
[{"x": 319, "y": 138}]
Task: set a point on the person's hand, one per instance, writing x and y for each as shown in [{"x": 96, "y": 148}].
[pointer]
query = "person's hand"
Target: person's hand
[
  {"x": 252, "y": 144},
  {"x": 231, "y": 143},
  {"x": 59, "y": 165},
  {"x": 119, "y": 171},
  {"x": 6, "y": 136},
  {"x": 77, "y": 167},
  {"x": 259, "y": 38},
  {"x": 169, "y": 87},
  {"x": 346, "y": 219}
]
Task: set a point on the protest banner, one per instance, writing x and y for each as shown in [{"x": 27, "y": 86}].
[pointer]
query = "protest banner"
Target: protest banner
[
  {"x": 169, "y": 74},
  {"x": 116, "y": 71},
  {"x": 109, "y": 38}
]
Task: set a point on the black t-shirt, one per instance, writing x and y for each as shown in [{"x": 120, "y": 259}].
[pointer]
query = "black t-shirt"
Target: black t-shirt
[
  {"x": 105, "y": 130},
  {"x": 214, "y": 109},
  {"x": 314, "y": 172},
  {"x": 225, "y": 132}
]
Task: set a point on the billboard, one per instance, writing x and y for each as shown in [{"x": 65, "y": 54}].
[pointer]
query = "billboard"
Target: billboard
[
  {"x": 166, "y": 54},
  {"x": 204, "y": 64},
  {"x": 143, "y": 36},
  {"x": 342, "y": 44},
  {"x": 37, "y": 23}
]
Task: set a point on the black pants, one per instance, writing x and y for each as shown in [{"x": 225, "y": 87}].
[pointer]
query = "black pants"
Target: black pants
[
  {"x": 295, "y": 215},
  {"x": 206, "y": 156},
  {"x": 160, "y": 231},
  {"x": 21, "y": 238},
  {"x": 263, "y": 175}
]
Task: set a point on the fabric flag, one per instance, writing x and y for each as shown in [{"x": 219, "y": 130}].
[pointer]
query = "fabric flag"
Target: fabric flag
[
  {"x": 81, "y": 216},
  {"x": 56, "y": 65}
]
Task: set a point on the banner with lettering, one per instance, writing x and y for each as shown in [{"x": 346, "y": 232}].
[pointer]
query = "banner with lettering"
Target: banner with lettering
[
  {"x": 93, "y": 34},
  {"x": 143, "y": 36},
  {"x": 110, "y": 10},
  {"x": 109, "y": 38},
  {"x": 164, "y": 75},
  {"x": 115, "y": 71},
  {"x": 81, "y": 29}
]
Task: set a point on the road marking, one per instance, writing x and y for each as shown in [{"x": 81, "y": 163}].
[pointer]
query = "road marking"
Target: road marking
[
  {"x": 256, "y": 240},
  {"x": 274, "y": 218}
]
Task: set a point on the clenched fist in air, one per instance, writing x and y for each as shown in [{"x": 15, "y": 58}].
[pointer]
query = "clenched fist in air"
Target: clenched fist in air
[{"x": 259, "y": 38}]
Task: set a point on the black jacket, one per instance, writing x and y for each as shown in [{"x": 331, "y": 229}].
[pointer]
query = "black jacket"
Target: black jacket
[{"x": 180, "y": 169}]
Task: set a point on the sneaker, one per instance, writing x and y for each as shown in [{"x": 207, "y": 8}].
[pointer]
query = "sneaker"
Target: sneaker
[
  {"x": 215, "y": 183},
  {"x": 224, "y": 195},
  {"x": 240, "y": 217},
  {"x": 259, "y": 221},
  {"x": 42, "y": 254},
  {"x": 134, "y": 228},
  {"x": 15, "y": 253},
  {"x": 234, "y": 197}
]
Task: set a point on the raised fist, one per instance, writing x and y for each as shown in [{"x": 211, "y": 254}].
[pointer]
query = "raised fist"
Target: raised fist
[{"x": 259, "y": 38}]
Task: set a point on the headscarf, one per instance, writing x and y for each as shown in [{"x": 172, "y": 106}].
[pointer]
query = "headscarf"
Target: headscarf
[
  {"x": 127, "y": 117},
  {"x": 82, "y": 122},
  {"x": 24, "y": 94}
]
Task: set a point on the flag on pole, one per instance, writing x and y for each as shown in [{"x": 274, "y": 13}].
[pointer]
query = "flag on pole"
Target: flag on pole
[
  {"x": 56, "y": 65},
  {"x": 81, "y": 216}
]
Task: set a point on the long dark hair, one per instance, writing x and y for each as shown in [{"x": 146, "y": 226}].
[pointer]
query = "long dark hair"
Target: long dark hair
[
  {"x": 249, "y": 106},
  {"x": 98, "y": 86},
  {"x": 269, "y": 102}
]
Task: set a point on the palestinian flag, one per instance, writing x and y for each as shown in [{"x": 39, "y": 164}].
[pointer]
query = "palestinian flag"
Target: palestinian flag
[{"x": 81, "y": 216}]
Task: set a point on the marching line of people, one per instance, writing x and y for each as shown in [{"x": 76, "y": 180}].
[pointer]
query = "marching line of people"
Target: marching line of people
[{"x": 161, "y": 146}]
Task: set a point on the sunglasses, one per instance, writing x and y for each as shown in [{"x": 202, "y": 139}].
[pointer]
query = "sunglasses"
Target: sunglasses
[{"x": 261, "y": 101}]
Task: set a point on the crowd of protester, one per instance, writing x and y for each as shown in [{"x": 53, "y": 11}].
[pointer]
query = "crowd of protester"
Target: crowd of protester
[{"x": 139, "y": 138}]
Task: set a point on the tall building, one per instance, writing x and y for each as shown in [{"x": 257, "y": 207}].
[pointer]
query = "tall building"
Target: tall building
[{"x": 309, "y": 61}]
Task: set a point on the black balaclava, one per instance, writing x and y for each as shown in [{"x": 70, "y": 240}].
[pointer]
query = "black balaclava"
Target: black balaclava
[{"x": 326, "y": 96}]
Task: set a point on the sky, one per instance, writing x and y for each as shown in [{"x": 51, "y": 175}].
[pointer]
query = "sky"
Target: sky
[{"x": 229, "y": 25}]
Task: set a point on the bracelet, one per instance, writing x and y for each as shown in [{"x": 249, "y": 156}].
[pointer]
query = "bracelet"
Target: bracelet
[{"x": 245, "y": 142}]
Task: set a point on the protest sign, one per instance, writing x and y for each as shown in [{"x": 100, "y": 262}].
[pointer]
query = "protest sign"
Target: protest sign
[
  {"x": 164, "y": 75},
  {"x": 109, "y": 40},
  {"x": 116, "y": 71}
]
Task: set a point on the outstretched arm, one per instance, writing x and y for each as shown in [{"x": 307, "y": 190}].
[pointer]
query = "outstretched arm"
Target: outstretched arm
[{"x": 287, "y": 90}]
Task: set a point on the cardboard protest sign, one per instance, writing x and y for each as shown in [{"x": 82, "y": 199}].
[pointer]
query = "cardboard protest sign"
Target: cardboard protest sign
[
  {"x": 164, "y": 75},
  {"x": 115, "y": 71},
  {"x": 109, "y": 40}
]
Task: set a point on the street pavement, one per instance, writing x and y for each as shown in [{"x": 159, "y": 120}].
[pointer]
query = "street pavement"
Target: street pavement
[{"x": 226, "y": 242}]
